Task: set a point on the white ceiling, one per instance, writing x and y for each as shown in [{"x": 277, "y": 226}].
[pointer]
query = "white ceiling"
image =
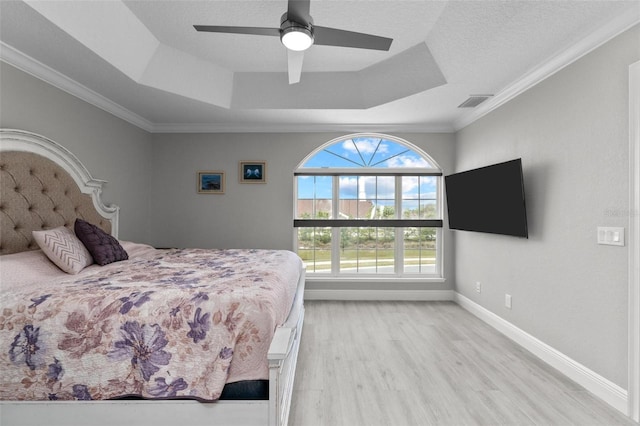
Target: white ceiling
[{"x": 143, "y": 60}]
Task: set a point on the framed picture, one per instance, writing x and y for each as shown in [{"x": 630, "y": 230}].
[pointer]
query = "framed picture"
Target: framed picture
[
  {"x": 211, "y": 182},
  {"x": 253, "y": 172}
]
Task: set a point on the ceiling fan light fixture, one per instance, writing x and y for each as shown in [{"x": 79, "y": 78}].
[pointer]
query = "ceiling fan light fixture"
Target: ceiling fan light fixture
[{"x": 297, "y": 38}]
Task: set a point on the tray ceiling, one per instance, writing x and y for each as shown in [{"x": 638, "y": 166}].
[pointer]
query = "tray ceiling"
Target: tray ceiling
[{"x": 144, "y": 60}]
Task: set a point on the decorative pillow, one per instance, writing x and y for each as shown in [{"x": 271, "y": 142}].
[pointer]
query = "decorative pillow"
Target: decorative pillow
[
  {"x": 102, "y": 246},
  {"x": 64, "y": 249}
]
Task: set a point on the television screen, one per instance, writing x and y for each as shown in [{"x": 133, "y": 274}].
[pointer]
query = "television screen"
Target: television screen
[{"x": 489, "y": 199}]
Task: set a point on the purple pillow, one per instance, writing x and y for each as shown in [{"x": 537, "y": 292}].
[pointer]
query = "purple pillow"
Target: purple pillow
[{"x": 103, "y": 247}]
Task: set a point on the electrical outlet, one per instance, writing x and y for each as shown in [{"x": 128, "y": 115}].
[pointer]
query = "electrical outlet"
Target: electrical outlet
[
  {"x": 507, "y": 301},
  {"x": 478, "y": 287}
]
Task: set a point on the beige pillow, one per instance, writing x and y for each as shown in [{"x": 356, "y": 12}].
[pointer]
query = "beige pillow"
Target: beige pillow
[{"x": 64, "y": 249}]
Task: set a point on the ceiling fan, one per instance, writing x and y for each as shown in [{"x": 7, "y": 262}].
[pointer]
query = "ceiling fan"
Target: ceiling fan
[{"x": 297, "y": 32}]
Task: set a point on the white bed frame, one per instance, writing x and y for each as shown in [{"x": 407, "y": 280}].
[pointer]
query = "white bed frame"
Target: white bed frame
[{"x": 282, "y": 356}]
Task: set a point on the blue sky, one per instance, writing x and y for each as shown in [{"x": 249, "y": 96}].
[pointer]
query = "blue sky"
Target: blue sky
[{"x": 367, "y": 152}]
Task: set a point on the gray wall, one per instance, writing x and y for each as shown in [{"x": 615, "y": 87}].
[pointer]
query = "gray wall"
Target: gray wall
[
  {"x": 110, "y": 148},
  {"x": 572, "y": 134},
  {"x": 246, "y": 215}
]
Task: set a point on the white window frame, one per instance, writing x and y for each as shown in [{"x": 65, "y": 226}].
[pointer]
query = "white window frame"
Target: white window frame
[{"x": 336, "y": 173}]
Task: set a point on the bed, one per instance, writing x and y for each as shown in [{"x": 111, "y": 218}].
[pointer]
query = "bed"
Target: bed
[{"x": 131, "y": 334}]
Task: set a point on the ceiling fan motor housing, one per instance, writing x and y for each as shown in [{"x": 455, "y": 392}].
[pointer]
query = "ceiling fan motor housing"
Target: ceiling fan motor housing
[{"x": 295, "y": 35}]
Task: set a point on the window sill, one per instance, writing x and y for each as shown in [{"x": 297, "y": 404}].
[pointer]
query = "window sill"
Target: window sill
[{"x": 310, "y": 278}]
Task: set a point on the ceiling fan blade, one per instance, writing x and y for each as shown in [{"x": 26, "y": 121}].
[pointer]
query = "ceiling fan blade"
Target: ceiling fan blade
[
  {"x": 334, "y": 37},
  {"x": 294, "y": 59},
  {"x": 298, "y": 11},
  {"x": 238, "y": 30}
]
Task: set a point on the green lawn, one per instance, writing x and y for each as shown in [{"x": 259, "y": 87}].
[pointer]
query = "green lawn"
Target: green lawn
[{"x": 352, "y": 258}]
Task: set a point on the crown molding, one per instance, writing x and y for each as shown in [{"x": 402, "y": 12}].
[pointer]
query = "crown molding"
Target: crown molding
[
  {"x": 298, "y": 128},
  {"x": 554, "y": 64},
  {"x": 25, "y": 63}
]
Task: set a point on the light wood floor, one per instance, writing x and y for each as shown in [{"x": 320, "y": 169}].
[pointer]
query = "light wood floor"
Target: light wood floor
[{"x": 426, "y": 363}]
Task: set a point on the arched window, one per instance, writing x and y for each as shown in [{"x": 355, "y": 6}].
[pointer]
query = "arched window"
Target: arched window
[{"x": 369, "y": 204}]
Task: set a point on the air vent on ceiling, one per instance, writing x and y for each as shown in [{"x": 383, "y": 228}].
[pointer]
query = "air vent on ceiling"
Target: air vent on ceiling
[{"x": 474, "y": 101}]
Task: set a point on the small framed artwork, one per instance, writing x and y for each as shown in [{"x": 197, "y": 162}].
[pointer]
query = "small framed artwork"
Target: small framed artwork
[
  {"x": 253, "y": 172},
  {"x": 211, "y": 182}
]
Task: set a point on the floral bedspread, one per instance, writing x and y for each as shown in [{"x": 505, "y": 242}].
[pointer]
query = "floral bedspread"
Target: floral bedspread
[{"x": 177, "y": 323}]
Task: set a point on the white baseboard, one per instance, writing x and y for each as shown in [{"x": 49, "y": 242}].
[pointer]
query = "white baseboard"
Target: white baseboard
[
  {"x": 603, "y": 388},
  {"x": 404, "y": 295},
  {"x": 606, "y": 390}
]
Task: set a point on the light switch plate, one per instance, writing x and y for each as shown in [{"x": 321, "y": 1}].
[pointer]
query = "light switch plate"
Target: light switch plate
[{"x": 611, "y": 235}]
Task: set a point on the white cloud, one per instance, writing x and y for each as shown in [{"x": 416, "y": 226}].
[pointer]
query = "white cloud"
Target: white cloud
[
  {"x": 408, "y": 161},
  {"x": 365, "y": 146},
  {"x": 429, "y": 180},
  {"x": 409, "y": 185},
  {"x": 348, "y": 186},
  {"x": 367, "y": 187}
]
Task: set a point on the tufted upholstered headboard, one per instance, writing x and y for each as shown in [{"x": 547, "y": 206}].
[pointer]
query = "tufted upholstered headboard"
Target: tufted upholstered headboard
[{"x": 43, "y": 185}]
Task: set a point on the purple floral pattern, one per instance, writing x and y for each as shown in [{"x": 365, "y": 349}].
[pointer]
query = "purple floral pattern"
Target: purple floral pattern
[
  {"x": 226, "y": 353},
  {"x": 55, "y": 371},
  {"x": 24, "y": 348},
  {"x": 147, "y": 326},
  {"x": 143, "y": 345},
  {"x": 81, "y": 393},
  {"x": 199, "y": 326},
  {"x": 162, "y": 389},
  {"x": 135, "y": 299}
]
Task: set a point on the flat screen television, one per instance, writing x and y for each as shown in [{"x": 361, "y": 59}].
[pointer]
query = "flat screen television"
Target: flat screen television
[{"x": 489, "y": 199}]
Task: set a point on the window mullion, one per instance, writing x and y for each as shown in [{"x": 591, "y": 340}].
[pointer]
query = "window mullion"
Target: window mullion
[
  {"x": 335, "y": 197},
  {"x": 335, "y": 251},
  {"x": 335, "y": 231},
  {"x": 399, "y": 234},
  {"x": 439, "y": 255},
  {"x": 398, "y": 197}
]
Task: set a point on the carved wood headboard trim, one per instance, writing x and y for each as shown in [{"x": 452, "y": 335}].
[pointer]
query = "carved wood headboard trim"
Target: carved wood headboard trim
[{"x": 56, "y": 201}]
